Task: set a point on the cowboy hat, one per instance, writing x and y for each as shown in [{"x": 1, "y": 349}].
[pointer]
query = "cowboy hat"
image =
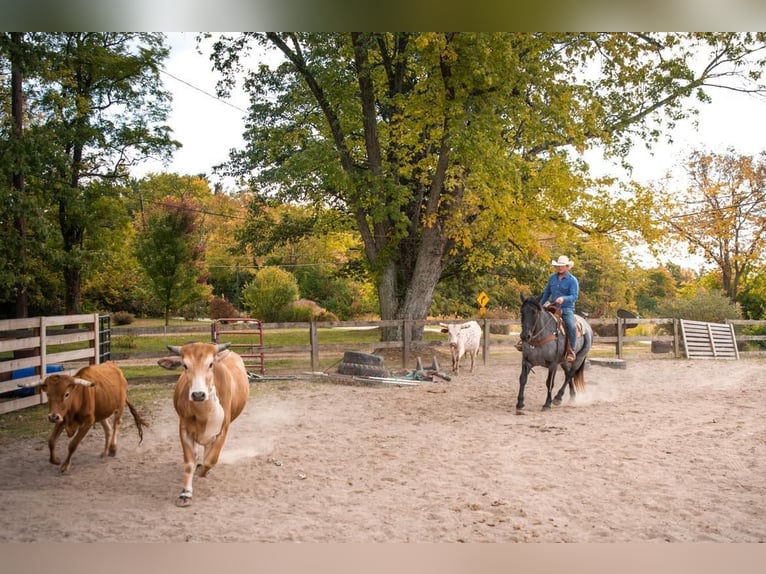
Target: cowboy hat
[{"x": 562, "y": 261}]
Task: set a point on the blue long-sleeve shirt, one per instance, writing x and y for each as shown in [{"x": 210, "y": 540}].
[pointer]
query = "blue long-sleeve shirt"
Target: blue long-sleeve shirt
[{"x": 567, "y": 287}]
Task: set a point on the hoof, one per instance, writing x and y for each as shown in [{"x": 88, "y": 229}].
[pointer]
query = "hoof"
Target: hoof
[
  {"x": 520, "y": 411},
  {"x": 556, "y": 402},
  {"x": 546, "y": 407},
  {"x": 184, "y": 499}
]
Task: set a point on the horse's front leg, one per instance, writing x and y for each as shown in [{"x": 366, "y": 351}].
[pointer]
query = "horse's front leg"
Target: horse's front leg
[
  {"x": 549, "y": 386},
  {"x": 525, "y": 368}
]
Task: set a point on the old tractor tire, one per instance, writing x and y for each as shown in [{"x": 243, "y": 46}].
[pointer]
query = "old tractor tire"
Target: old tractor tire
[
  {"x": 357, "y": 358},
  {"x": 362, "y": 370}
]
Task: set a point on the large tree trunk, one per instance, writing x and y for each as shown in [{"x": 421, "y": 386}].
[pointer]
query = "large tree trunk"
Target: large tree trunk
[
  {"x": 72, "y": 294},
  {"x": 19, "y": 221}
]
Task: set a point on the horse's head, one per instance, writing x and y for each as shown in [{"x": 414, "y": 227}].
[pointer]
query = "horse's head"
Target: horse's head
[{"x": 530, "y": 317}]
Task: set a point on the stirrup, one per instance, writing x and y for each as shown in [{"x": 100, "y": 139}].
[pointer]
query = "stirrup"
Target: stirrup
[
  {"x": 570, "y": 357},
  {"x": 519, "y": 345}
]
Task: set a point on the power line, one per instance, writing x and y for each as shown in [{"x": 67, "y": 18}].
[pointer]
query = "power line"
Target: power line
[{"x": 208, "y": 94}]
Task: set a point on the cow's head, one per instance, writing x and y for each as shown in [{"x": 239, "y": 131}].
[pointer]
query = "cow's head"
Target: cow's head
[
  {"x": 62, "y": 391},
  {"x": 197, "y": 361},
  {"x": 452, "y": 331}
]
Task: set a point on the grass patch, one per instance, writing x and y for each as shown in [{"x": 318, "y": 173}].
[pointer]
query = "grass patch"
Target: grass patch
[{"x": 31, "y": 422}]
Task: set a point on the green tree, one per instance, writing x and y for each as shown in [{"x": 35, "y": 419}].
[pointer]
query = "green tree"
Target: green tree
[
  {"x": 752, "y": 296},
  {"x": 267, "y": 295},
  {"x": 171, "y": 252},
  {"x": 440, "y": 146},
  {"x": 721, "y": 215},
  {"x": 117, "y": 282},
  {"x": 653, "y": 287},
  {"x": 99, "y": 106}
]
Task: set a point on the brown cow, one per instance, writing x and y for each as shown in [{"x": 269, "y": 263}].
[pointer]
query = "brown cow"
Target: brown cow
[
  {"x": 211, "y": 392},
  {"x": 95, "y": 393}
]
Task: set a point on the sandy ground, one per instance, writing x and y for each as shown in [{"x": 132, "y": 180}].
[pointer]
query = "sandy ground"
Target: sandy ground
[{"x": 664, "y": 450}]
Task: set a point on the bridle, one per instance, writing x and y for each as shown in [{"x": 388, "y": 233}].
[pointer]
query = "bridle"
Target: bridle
[{"x": 539, "y": 329}]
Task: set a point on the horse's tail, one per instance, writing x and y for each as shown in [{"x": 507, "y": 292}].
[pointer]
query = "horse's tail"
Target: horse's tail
[{"x": 578, "y": 380}]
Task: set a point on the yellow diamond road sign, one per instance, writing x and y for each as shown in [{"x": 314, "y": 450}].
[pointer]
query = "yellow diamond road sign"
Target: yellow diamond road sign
[{"x": 482, "y": 299}]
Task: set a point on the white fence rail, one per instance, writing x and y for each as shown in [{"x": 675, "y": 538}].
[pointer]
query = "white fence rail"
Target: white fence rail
[{"x": 32, "y": 348}]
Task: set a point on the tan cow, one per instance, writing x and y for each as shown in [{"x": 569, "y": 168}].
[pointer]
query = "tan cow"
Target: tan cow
[
  {"x": 94, "y": 394},
  {"x": 211, "y": 392}
]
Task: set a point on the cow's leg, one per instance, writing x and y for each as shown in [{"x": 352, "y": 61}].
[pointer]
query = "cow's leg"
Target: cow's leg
[
  {"x": 190, "y": 463},
  {"x": 115, "y": 429},
  {"x": 213, "y": 451},
  {"x": 81, "y": 432},
  {"x": 107, "y": 436},
  {"x": 58, "y": 427},
  {"x": 549, "y": 386},
  {"x": 455, "y": 362}
]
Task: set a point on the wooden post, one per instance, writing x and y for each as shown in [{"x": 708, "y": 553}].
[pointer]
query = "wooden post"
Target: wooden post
[
  {"x": 485, "y": 343},
  {"x": 619, "y": 337},
  {"x": 314, "y": 342},
  {"x": 406, "y": 342}
]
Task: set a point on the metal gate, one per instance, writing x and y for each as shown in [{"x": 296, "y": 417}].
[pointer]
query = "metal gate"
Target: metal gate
[
  {"x": 245, "y": 336},
  {"x": 709, "y": 340}
]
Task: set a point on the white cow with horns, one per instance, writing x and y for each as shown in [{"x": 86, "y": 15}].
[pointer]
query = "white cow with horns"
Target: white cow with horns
[{"x": 463, "y": 338}]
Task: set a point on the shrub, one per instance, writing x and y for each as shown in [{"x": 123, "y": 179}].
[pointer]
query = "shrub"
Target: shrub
[
  {"x": 499, "y": 313},
  {"x": 268, "y": 294},
  {"x": 123, "y": 318},
  {"x": 221, "y": 308},
  {"x": 304, "y": 310},
  {"x": 124, "y": 342},
  {"x": 710, "y": 306},
  {"x": 193, "y": 311}
]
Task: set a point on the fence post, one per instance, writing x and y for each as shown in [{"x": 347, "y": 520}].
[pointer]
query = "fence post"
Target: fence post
[
  {"x": 406, "y": 341},
  {"x": 676, "y": 344},
  {"x": 485, "y": 343},
  {"x": 619, "y": 337},
  {"x": 313, "y": 341}
]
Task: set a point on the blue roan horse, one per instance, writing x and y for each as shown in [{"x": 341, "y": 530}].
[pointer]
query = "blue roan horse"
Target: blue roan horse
[{"x": 543, "y": 345}]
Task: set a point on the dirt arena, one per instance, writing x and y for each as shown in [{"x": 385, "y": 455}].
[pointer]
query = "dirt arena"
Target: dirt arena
[{"x": 664, "y": 450}]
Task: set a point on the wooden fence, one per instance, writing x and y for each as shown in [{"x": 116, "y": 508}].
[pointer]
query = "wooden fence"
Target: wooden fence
[
  {"x": 499, "y": 337},
  {"x": 32, "y": 348}
]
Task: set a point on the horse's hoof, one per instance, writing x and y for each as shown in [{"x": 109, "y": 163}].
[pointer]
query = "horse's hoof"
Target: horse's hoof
[
  {"x": 546, "y": 407},
  {"x": 557, "y": 402},
  {"x": 520, "y": 412}
]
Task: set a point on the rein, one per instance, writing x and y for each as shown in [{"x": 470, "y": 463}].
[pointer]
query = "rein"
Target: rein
[{"x": 537, "y": 330}]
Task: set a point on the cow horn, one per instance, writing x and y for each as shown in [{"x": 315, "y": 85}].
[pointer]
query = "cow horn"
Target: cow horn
[
  {"x": 175, "y": 349},
  {"x": 222, "y": 347},
  {"x": 83, "y": 382}
]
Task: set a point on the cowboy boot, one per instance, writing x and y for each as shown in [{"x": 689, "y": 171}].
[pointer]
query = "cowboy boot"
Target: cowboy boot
[{"x": 570, "y": 354}]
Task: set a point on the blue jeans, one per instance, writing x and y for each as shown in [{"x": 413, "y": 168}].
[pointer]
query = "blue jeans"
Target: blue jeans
[{"x": 567, "y": 315}]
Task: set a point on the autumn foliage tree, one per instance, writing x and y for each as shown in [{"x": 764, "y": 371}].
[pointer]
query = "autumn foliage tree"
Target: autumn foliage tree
[{"x": 721, "y": 214}]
